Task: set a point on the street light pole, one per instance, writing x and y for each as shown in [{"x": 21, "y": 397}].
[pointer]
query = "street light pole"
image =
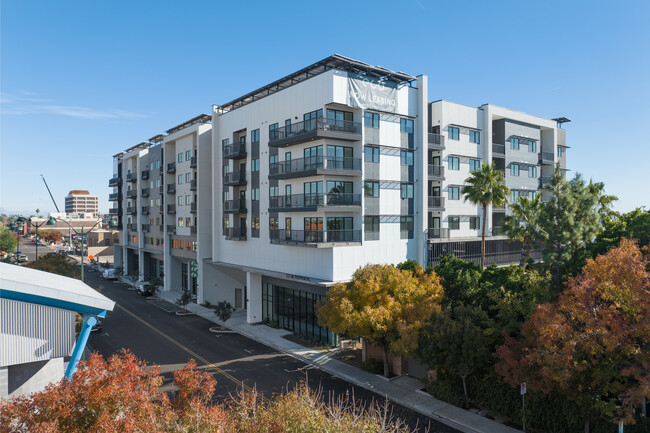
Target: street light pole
[{"x": 50, "y": 222}]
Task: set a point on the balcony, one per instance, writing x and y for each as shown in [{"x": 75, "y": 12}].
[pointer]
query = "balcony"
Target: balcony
[
  {"x": 171, "y": 167},
  {"x": 132, "y": 193},
  {"x": 193, "y": 230},
  {"x": 236, "y": 233},
  {"x": 193, "y": 162},
  {"x": 498, "y": 149},
  {"x": 544, "y": 181},
  {"x": 114, "y": 197},
  {"x": 235, "y": 151},
  {"x": 145, "y": 192},
  {"x": 436, "y": 204},
  {"x": 161, "y": 189},
  {"x": 235, "y": 178},
  {"x": 132, "y": 210},
  {"x": 171, "y": 208},
  {"x": 315, "y": 238},
  {"x": 145, "y": 210},
  {"x": 193, "y": 185},
  {"x": 314, "y": 166},
  {"x": 132, "y": 227},
  {"x": 193, "y": 207},
  {"x": 235, "y": 206},
  {"x": 315, "y": 129},
  {"x": 547, "y": 158},
  {"x": 145, "y": 227},
  {"x": 144, "y": 175},
  {"x": 113, "y": 211},
  {"x": 161, "y": 228},
  {"x": 436, "y": 172},
  {"x": 116, "y": 181},
  {"x": 438, "y": 233},
  {"x": 497, "y": 231},
  {"x": 314, "y": 202},
  {"x": 171, "y": 188},
  {"x": 131, "y": 177},
  {"x": 171, "y": 229},
  {"x": 436, "y": 142}
]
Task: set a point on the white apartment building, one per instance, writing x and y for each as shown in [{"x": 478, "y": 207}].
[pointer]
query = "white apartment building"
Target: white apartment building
[
  {"x": 294, "y": 186},
  {"x": 80, "y": 201}
]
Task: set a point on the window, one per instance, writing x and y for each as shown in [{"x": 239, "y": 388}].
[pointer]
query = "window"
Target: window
[
  {"x": 157, "y": 183},
  {"x": 453, "y": 133},
  {"x": 338, "y": 118},
  {"x": 255, "y": 165},
  {"x": 255, "y": 138},
  {"x": 406, "y": 190},
  {"x": 474, "y": 164},
  {"x": 532, "y": 146},
  {"x": 273, "y": 223},
  {"x": 371, "y": 154},
  {"x": 406, "y": 157},
  {"x": 406, "y": 227},
  {"x": 151, "y": 166},
  {"x": 532, "y": 171},
  {"x": 274, "y": 191},
  {"x": 255, "y": 194},
  {"x": 287, "y": 126},
  {"x": 188, "y": 199},
  {"x": 188, "y": 177},
  {"x": 180, "y": 157},
  {"x": 255, "y": 227},
  {"x": 454, "y": 223},
  {"x": 514, "y": 143},
  {"x": 371, "y": 224},
  {"x": 158, "y": 164},
  {"x": 188, "y": 155},
  {"x": 188, "y": 245},
  {"x": 453, "y": 163},
  {"x": 158, "y": 201},
  {"x": 514, "y": 195},
  {"x": 188, "y": 222},
  {"x": 371, "y": 189},
  {"x": 180, "y": 200},
  {"x": 559, "y": 152},
  {"x": 273, "y": 132},
  {"x": 532, "y": 195},
  {"x": 474, "y": 223},
  {"x": 151, "y": 184},
  {"x": 406, "y": 125},
  {"x": 339, "y": 157},
  {"x": 225, "y": 142},
  {"x": 453, "y": 193},
  {"x": 474, "y": 137},
  {"x": 371, "y": 120},
  {"x": 514, "y": 169},
  {"x": 180, "y": 221}
]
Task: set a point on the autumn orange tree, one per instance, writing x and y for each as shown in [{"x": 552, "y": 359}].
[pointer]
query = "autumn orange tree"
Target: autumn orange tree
[
  {"x": 385, "y": 305},
  {"x": 592, "y": 344}
]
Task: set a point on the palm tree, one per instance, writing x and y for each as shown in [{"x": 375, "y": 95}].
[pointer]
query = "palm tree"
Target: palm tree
[
  {"x": 522, "y": 225},
  {"x": 486, "y": 186},
  {"x": 605, "y": 201}
]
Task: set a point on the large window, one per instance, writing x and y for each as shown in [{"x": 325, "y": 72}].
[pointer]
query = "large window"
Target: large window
[
  {"x": 406, "y": 190},
  {"x": 339, "y": 157},
  {"x": 180, "y": 179},
  {"x": 273, "y": 131},
  {"x": 371, "y": 154},
  {"x": 371, "y": 189},
  {"x": 453, "y": 133},
  {"x": 406, "y": 157},
  {"x": 371, "y": 120},
  {"x": 338, "y": 118},
  {"x": 406, "y": 227},
  {"x": 474, "y": 137},
  {"x": 474, "y": 164},
  {"x": 255, "y": 165},
  {"x": 180, "y": 200},
  {"x": 188, "y": 155},
  {"x": 313, "y": 191},
  {"x": 180, "y": 157},
  {"x": 532, "y": 146},
  {"x": 514, "y": 195},
  {"x": 371, "y": 224},
  {"x": 559, "y": 152},
  {"x": 453, "y": 163},
  {"x": 453, "y": 193},
  {"x": 454, "y": 223},
  {"x": 514, "y": 169},
  {"x": 255, "y": 135},
  {"x": 514, "y": 143},
  {"x": 406, "y": 125},
  {"x": 532, "y": 171},
  {"x": 188, "y": 177},
  {"x": 273, "y": 223},
  {"x": 313, "y": 157},
  {"x": 474, "y": 223}
]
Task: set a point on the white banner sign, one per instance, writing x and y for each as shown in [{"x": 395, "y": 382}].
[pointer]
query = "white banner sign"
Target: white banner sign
[{"x": 369, "y": 93}]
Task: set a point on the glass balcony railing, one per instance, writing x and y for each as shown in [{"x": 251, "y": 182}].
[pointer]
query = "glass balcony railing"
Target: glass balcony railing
[
  {"x": 313, "y": 165},
  {"x": 317, "y": 127}
]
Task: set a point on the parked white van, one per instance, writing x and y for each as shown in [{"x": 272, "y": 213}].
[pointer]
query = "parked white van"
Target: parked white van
[{"x": 109, "y": 274}]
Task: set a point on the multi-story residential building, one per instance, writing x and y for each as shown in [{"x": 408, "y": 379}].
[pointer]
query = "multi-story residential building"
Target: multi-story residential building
[
  {"x": 333, "y": 167},
  {"x": 80, "y": 201}
]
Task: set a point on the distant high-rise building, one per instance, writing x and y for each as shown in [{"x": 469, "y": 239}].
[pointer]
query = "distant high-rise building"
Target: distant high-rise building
[{"x": 80, "y": 201}]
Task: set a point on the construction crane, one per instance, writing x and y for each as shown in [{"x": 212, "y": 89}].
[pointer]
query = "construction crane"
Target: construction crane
[{"x": 48, "y": 190}]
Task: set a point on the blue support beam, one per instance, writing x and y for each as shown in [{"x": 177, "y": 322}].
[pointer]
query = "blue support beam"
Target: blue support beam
[{"x": 89, "y": 322}]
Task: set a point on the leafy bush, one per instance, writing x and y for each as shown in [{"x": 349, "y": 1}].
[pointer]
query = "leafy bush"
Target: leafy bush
[
  {"x": 56, "y": 264},
  {"x": 223, "y": 310},
  {"x": 372, "y": 365}
]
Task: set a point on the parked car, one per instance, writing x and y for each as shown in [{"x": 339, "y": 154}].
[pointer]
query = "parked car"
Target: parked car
[
  {"x": 20, "y": 257},
  {"x": 145, "y": 289},
  {"x": 109, "y": 274}
]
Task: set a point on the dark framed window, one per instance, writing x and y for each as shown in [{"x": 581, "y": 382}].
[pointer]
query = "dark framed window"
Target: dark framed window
[
  {"x": 371, "y": 223},
  {"x": 474, "y": 137},
  {"x": 255, "y": 135},
  {"x": 474, "y": 164},
  {"x": 559, "y": 152},
  {"x": 406, "y": 190},
  {"x": 371, "y": 154},
  {"x": 406, "y": 125},
  {"x": 273, "y": 223},
  {"x": 454, "y": 223},
  {"x": 180, "y": 157},
  {"x": 532, "y": 146},
  {"x": 514, "y": 169},
  {"x": 406, "y": 227},
  {"x": 453, "y": 133},
  {"x": 474, "y": 223},
  {"x": 514, "y": 195},
  {"x": 371, "y": 120},
  {"x": 188, "y": 155},
  {"x": 453, "y": 193},
  {"x": 406, "y": 157},
  {"x": 453, "y": 163},
  {"x": 255, "y": 165},
  {"x": 287, "y": 126},
  {"x": 514, "y": 143},
  {"x": 225, "y": 142},
  {"x": 273, "y": 131},
  {"x": 371, "y": 189},
  {"x": 532, "y": 171}
]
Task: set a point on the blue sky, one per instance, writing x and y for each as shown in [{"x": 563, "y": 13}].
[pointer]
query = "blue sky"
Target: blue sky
[{"x": 83, "y": 80}]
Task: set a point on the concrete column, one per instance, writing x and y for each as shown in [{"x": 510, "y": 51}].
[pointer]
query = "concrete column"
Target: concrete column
[
  {"x": 421, "y": 222},
  {"x": 254, "y": 301}
]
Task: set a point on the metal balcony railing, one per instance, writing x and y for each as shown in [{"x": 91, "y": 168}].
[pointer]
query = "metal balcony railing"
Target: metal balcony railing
[
  {"x": 193, "y": 230},
  {"x": 145, "y": 192},
  {"x": 318, "y": 127},
  {"x": 171, "y": 229},
  {"x": 193, "y": 185},
  {"x": 132, "y": 193},
  {"x": 193, "y": 207},
  {"x": 236, "y": 233},
  {"x": 438, "y": 233},
  {"x": 498, "y": 149},
  {"x": 132, "y": 210},
  {"x": 436, "y": 203},
  {"x": 436, "y": 172},
  {"x": 436, "y": 141},
  {"x": 171, "y": 188},
  {"x": 132, "y": 177},
  {"x": 313, "y": 165},
  {"x": 116, "y": 181},
  {"x": 114, "y": 197},
  {"x": 235, "y": 150},
  {"x": 171, "y": 167},
  {"x": 145, "y": 174},
  {"x": 234, "y": 178},
  {"x": 113, "y": 211},
  {"x": 315, "y": 236},
  {"x": 145, "y": 227},
  {"x": 301, "y": 201},
  {"x": 547, "y": 158},
  {"x": 145, "y": 210},
  {"x": 193, "y": 162},
  {"x": 171, "y": 208},
  {"x": 235, "y": 206}
]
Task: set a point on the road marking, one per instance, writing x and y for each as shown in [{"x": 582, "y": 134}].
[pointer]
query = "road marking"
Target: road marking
[
  {"x": 191, "y": 352},
  {"x": 248, "y": 351}
]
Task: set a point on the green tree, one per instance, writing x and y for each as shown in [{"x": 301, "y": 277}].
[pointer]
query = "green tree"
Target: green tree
[
  {"x": 605, "y": 201},
  {"x": 456, "y": 343},
  {"x": 7, "y": 241},
  {"x": 486, "y": 186},
  {"x": 383, "y": 304},
  {"x": 56, "y": 264},
  {"x": 521, "y": 225}
]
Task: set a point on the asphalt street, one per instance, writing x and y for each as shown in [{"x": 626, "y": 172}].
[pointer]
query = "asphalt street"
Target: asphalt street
[{"x": 163, "y": 338}]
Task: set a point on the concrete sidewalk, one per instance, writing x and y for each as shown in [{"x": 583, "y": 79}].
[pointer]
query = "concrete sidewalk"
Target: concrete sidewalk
[{"x": 403, "y": 390}]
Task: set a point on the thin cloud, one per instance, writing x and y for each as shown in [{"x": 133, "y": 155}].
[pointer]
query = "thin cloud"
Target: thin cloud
[{"x": 27, "y": 103}]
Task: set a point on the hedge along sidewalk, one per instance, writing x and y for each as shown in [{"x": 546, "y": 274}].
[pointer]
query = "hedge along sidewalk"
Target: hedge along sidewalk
[{"x": 407, "y": 396}]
